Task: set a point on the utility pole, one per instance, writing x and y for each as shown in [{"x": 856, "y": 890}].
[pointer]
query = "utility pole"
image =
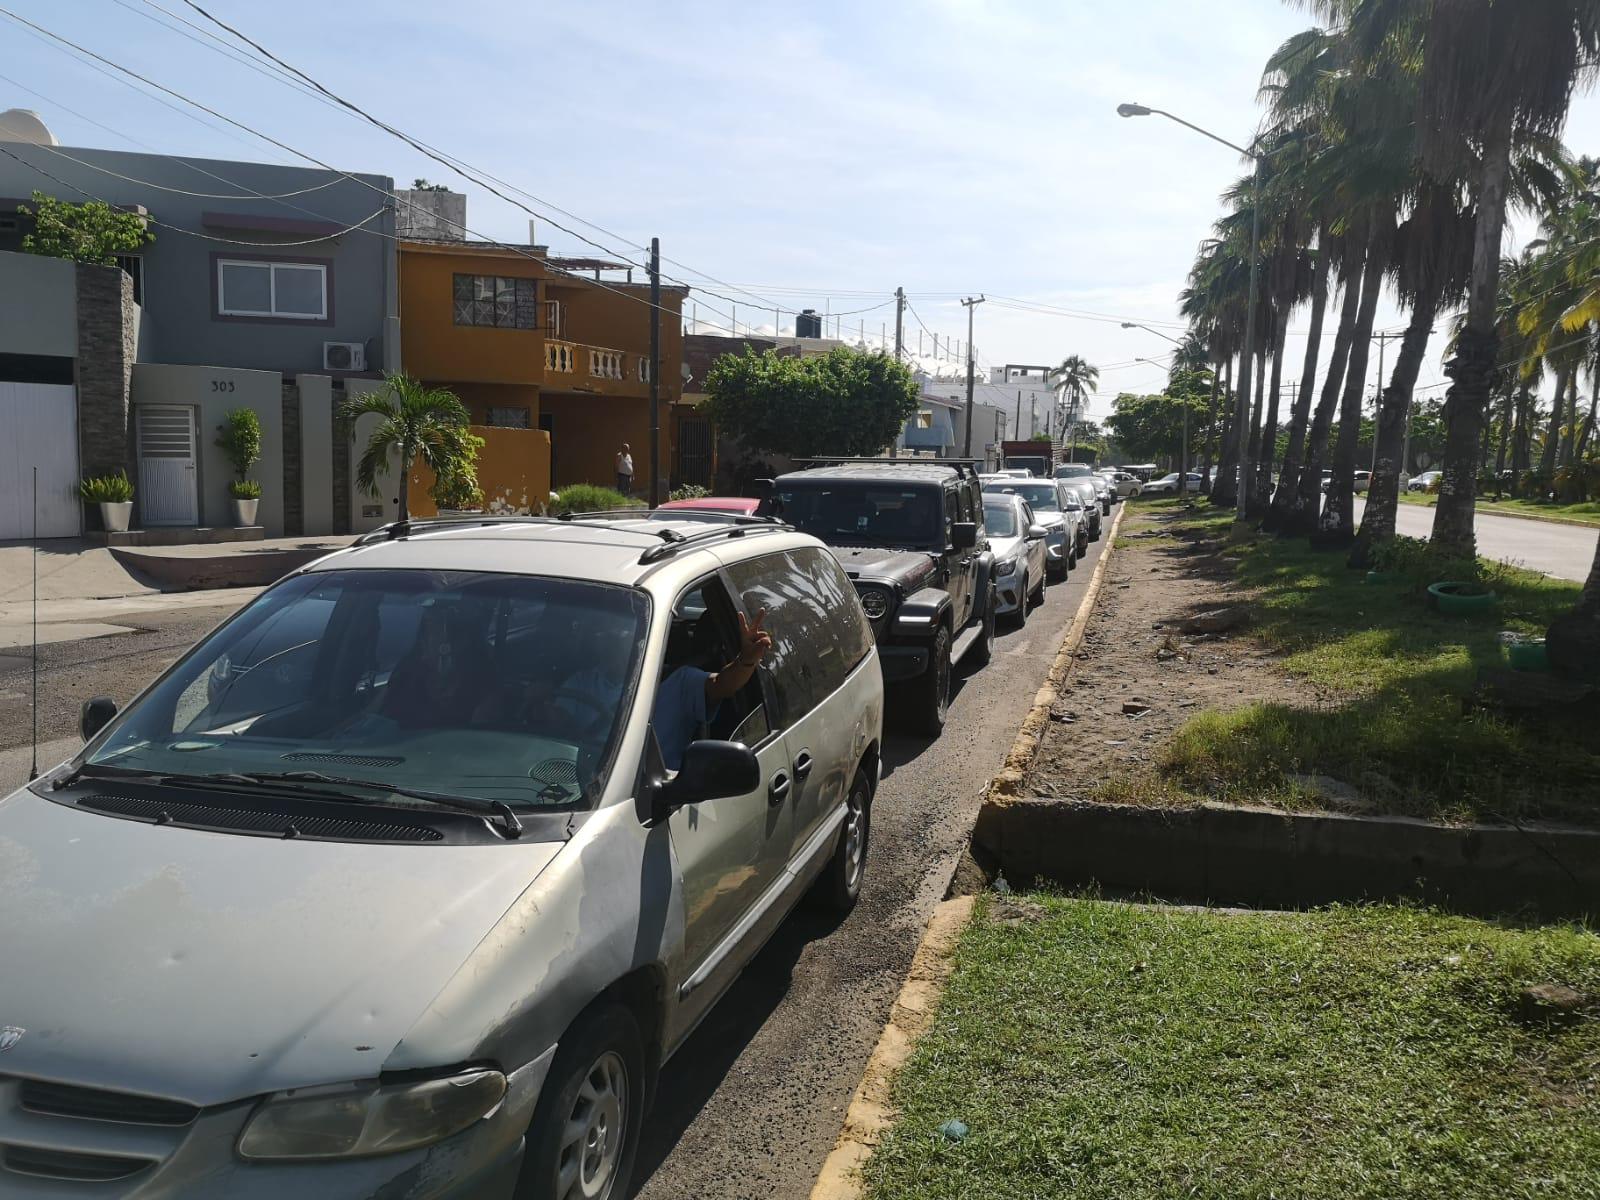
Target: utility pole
[
  {"x": 1383, "y": 340},
  {"x": 971, "y": 306},
  {"x": 899, "y": 347},
  {"x": 655, "y": 371}
]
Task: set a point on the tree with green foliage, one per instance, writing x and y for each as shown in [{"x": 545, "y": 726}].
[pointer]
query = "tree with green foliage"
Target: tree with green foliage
[
  {"x": 1151, "y": 427},
  {"x": 415, "y": 421},
  {"x": 845, "y": 403},
  {"x": 92, "y": 232}
]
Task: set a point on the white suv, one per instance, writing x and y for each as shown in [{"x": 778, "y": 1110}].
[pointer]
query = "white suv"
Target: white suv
[{"x": 411, "y": 875}]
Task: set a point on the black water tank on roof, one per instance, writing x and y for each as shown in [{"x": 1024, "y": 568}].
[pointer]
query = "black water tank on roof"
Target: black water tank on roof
[{"x": 808, "y": 324}]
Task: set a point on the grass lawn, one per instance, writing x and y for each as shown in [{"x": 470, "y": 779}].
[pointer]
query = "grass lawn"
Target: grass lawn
[
  {"x": 1112, "y": 1052},
  {"x": 1398, "y": 673},
  {"x": 1587, "y": 512}
]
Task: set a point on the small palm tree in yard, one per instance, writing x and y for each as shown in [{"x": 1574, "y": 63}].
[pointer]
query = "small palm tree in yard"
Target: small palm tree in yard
[{"x": 415, "y": 421}]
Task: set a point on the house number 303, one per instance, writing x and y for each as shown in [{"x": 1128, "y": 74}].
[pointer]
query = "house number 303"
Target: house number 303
[{"x": 222, "y": 385}]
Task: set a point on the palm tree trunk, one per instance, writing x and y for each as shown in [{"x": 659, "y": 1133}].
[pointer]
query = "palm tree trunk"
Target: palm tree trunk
[
  {"x": 1338, "y": 524},
  {"x": 1588, "y": 422},
  {"x": 1520, "y": 439},
  {"x": 1304, "y": 509},
  {"x": 1224, "y": 491},
  {"x": 1477, "y": 345},
  {"x": 1289, "y": 476},
  {"x": 1502, "y": 450},
  {"x": 1573, "y": 639},
  {"x": 1552, "y": 437},
  {"x": 1383, "y": 493},
  {"x": 1261, "y": 500},
  {"x": 1211, "y": 424},
  {"x": 1569, "y": 428}
]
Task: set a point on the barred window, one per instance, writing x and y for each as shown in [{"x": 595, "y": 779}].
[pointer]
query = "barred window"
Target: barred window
[{"x": 495, "y": 301}]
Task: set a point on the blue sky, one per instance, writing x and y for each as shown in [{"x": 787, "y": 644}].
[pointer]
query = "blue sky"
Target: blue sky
[{"x": 839, "y": 149}]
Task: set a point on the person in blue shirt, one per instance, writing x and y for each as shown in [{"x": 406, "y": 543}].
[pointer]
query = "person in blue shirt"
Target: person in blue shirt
[{"x": 689, "y": 697}]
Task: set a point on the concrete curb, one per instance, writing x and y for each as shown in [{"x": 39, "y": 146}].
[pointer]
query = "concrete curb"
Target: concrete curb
[
  {"x": 1010, "y": 783},
  {"x": 1266, "y": 858},
  {"x": 870, "y": 1115}
]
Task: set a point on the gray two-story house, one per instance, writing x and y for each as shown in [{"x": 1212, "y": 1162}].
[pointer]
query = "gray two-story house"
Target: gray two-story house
[{"x": 266, "y": 286}]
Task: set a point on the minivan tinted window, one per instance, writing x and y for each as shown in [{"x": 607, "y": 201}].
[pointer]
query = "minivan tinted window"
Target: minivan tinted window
[
  {"x": 819, "y": 633},
  {"x": 503, "y": 687}
]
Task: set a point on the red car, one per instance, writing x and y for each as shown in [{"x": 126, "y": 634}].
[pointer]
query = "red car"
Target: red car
[{"x": 727, "y": 506}]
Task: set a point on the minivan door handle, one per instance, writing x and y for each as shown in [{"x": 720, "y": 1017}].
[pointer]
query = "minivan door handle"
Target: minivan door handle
[
  {"x": 778, "y": 788},
  {"x": 802, "y": 764}
]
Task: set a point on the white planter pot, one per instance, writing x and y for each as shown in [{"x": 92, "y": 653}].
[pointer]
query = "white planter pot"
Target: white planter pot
[
  {"x": 114, "y": 515},
  {"x": 244, "y": 513}
]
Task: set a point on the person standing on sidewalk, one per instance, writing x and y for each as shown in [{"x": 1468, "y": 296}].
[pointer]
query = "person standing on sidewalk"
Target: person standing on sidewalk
[{"x": 625, "y": 470}]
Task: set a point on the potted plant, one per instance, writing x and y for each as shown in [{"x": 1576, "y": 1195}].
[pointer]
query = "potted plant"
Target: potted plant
[
  {"x": 239, "y": 437},
  {"x": 114, "y": 494},
  {"x": 245, "y": 494}
]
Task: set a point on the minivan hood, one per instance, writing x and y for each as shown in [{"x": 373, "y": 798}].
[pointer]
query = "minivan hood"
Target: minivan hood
[{"x": 209, "y": 967}]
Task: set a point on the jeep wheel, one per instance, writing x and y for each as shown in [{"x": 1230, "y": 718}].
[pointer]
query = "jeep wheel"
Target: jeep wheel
[
  {"x": 585, "y": 1129},
  {"x": 839, "y": 885},
  {"x": 982, "y": 652},
  {"x": 930, "y": 695}
]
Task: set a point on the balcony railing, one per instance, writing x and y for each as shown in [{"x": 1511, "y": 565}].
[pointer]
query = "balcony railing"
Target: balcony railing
[
  {"x": 559, "y": 357},
  {"x": 595, "y": 362}
]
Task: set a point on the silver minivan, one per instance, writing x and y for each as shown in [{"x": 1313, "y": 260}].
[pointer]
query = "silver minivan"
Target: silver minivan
[{"x": 406, "y": 880}]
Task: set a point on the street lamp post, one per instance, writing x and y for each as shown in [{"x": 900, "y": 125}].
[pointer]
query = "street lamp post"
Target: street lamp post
[
  {"x": 1242, "y": 404},
  {"x": 1183, "y": 454}
]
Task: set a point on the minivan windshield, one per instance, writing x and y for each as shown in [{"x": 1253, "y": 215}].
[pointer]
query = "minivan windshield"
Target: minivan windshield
[
  {"x": 1043, "y": 497},
  {"x": 499, "y": 687},
  {"x": 872, "y": 514}
]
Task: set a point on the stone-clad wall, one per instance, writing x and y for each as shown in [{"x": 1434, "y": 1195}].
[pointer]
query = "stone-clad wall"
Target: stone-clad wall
[{"x": 108, "y": 330}]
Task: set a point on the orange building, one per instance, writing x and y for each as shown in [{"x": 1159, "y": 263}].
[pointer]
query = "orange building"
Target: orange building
[{"x": 527, "y": 344}]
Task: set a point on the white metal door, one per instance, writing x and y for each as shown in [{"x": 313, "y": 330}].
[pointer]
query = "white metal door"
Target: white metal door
[
  {"x": 167, "y": 493},
  {"x": 39, "y": 428}
]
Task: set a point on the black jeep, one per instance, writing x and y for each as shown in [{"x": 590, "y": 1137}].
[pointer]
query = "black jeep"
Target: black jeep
[{"x": 909, "y": 533}]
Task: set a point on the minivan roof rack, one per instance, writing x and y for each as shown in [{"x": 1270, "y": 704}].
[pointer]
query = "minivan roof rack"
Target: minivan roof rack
[
  {"x": 672, "y": 541},
  {"x": 966, "y": 466}
]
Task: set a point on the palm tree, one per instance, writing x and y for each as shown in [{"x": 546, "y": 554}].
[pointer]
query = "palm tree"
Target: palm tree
[
  {"x": 1074, "y": 379},
  {"x": 415, "y": 421}
]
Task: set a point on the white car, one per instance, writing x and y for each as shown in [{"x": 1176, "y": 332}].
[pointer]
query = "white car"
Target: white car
[
  {"x": 1021, "y": 560},
  {"x": 1123, "y": 483},
  {"x": 1167, "y": 485},
  {"x": 1060, "y": 513}
]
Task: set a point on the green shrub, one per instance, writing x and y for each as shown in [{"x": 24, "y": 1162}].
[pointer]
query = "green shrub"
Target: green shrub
[
  {"x": 107, "y": 489},
  {"x": 589, "y": 497},
  {"x": 1423, "y": 563},
  {"x": 239, "y": 437},
  {"x": 245, "y": 489},
  {"x": 689, "y": 491},
  {"x": 456, "y": 486}
]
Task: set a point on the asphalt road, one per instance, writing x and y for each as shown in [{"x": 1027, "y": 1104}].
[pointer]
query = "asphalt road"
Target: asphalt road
[
  {"x": 752, "y": 1104},
  {"x": 1564, "y": 551}
]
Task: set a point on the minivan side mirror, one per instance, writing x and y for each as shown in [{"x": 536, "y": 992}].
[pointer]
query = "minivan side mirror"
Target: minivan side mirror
[
  {"x": 711, "y": 771},
  {"x": 964, "y": 535},
  {"x": 95, "y": 715},
  {"x": 1035, "y": 532}
]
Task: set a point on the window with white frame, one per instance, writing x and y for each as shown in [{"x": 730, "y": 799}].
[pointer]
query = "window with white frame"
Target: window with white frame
[{"x": 255, "y": 288}]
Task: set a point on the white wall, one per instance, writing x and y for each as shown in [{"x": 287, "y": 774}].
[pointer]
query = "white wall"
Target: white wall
[
  {"x": 367, "y": 512},
  {"x": 38, "y": 305},
  {"x": 212, "y": 392}
]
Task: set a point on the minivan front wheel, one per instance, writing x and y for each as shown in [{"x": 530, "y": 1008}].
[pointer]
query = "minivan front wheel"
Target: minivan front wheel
[
  {"x": 585, "y": 1129},
  {"x": 839, "y": 885}
]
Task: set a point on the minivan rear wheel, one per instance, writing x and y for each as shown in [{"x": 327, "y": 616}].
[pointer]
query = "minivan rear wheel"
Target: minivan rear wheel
[{"x": 585, "y": 1129}]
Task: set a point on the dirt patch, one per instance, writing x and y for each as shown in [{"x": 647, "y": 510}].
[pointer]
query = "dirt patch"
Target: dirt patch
[{"x": 1169, "y": 639}]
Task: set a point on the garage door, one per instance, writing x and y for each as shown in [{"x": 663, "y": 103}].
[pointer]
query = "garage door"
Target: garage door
[{"x": 40, "y": 424}]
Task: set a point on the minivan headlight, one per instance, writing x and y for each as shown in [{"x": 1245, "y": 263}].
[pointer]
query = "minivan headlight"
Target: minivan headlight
[{"x": 369, "y": 1118}]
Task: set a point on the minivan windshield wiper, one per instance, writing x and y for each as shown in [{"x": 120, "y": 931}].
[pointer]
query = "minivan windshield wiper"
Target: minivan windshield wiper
[
  {"x": 297, "y": 781},
  {"x": 303, "y": 783}
]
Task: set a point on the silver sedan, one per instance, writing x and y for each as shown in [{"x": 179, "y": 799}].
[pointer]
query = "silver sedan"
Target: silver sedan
[{"x": 1020, "y": 562}]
